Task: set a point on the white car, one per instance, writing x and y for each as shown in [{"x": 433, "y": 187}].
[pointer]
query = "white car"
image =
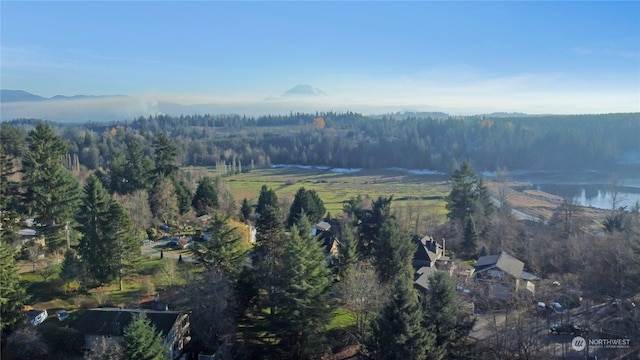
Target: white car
[{"x": 37, "y": 317}]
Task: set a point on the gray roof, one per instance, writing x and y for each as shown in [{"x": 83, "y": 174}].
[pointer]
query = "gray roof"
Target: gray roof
[
  {"x": 113, "y": 321},
  {"x": 422, "y": 277},
  {"x": 529, "y": 276},
  {"x": 502, "y": 261},
  {"x": 323, "y": 226}
]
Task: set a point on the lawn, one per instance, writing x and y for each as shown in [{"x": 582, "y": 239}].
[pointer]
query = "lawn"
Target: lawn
[{"x": 416, "y": 196}]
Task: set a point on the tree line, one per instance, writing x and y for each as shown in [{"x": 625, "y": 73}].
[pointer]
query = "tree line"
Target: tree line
[{"x": 574, "y": 142}]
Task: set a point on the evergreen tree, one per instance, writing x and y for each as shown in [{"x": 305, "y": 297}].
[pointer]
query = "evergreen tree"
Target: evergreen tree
[
  {"x": 12, "y": 292},
  {"x": 9, "y": 199},
  {"x": 304, "y": 302},
  {"x": 354, "y": 209},
  {"x": 71, "y": 266},
  {"x": 443, "y": 318},
  {"x": 223, "y": 251},
  {"x": 462, "y": 200},
  {"x": 120, "y": 239},
  {"x": 268, "y": 253},
  {"x": 470, "y": 239},
  {"x": 183, "y": 196},
  {"x": 9, "y": 192},
  {"x": 371, "y": 223},
  {"x": 118, "y": 176},
  {"x": 397, "y": 333},
  {"x": 267, "y": 197},
  {"x": 141, "y": 340},
  {"x": 51, "y": 191},
  {"x": 93, "y": 250},
  {"x": 138, "y": 167},
  {"x": 165, "y": 152},
  {"x": 245, "y": 210},
  {"x": 307, "y": 202},
  {"x": 206, "y": 197},
  {"x": 348, "y": 251},
  {"x": 485, "y": 201},
  {"x": 304, "y": 227},
  {"x": 393, "y": 251},
  {"x": 108, "y": 246}
]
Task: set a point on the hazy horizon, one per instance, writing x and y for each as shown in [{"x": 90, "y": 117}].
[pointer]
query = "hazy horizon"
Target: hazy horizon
[{"x": 460, "y": 58}]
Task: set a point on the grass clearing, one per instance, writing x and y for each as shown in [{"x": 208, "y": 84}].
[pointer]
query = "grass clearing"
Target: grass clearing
[
  {"x": 412, "y": 193},
  {"x": 342, "y": 318}
]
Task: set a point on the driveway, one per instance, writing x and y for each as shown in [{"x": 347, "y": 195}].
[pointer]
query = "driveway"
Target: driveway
[{"x": 153, "y": 250}]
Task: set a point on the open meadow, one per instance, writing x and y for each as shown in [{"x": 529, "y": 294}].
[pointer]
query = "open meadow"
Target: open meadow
[{"x": 417, "y": 197}]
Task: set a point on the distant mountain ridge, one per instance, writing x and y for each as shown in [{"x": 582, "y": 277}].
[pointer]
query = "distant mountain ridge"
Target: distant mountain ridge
[{"x": 8, "y": 96}]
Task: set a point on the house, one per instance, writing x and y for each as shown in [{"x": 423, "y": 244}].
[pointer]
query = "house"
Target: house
[
  {"x": 110, "y": 323},
  {"x": 505, "y": 272},
  {"x": 320, "y": 227},
  {"x": 329, "y": 240},
  {"x": 204, "y": 219},
  {"x": 421, "y": 278},
  {"x": 429, "y": 253}
]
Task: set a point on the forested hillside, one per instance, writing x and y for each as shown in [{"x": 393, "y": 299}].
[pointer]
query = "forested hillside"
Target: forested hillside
[{"x": 574, "y": 142}]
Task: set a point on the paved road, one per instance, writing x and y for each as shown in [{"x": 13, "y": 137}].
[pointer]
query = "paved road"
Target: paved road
[{"x": 153, "y": 250}]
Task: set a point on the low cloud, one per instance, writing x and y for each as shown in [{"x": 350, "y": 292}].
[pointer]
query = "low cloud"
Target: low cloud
[{"x": 467, "y": 94}]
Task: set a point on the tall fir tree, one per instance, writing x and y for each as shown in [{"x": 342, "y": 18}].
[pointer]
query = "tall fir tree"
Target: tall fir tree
[
  {"x": 443, "y": 318},
  {"x": 223, "y": 251},
  {"x": 165, "y": 153},
  {"x": 304, "y": 302},
  {"x": 141, "y": 340},
  {"x": 268, "y": 253},
  {"x": 392, "y": 251},
  {"x": 370, "y": 225},
  {"x": 119, "y": 236},
  {"x": 108, "y": 247},
  {"x": 95, "y": 253},
  {"x": 266, "y": 198},
  {"x": 307, "y": 202},
  {"x": 51, "y": 191},
  {"x": 347, "y": 251},
  {"x": 12, "y": 294},
  {"x": 397, "y": 333},
  {"x": 138, "y": 167},
  {"x": 183, "y": 196},
  {"x": 205, "y": 200},
  {"x": 462, "y": 200},
  {"x": 470, "y": 238},
  {"x": 10, "y": 198},
  {"x": 245, "y": 210}
]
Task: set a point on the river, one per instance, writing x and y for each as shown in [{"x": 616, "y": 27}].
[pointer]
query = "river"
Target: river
[{"x": 592, "y": 188}]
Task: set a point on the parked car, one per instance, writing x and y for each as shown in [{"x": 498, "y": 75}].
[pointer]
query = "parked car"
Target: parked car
[
  {"x": 557, "y": 308},
  {"x": 62, "y": 315},
  {"x": 173, "y": 244},
  {"x": 37, "y": 317},
  {"x": 565, "y": 329},
  {"x": 541, "y": 306}
]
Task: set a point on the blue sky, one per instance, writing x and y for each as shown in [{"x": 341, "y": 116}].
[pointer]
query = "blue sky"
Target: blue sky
[{"x": 458, "y": 57}]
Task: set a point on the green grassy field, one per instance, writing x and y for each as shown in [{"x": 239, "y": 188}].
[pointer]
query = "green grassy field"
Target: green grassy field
[{"x": 415, "y": 196}]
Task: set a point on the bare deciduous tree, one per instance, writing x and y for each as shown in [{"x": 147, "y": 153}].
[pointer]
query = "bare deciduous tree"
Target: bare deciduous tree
[{"x": 364, "y": 295}]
